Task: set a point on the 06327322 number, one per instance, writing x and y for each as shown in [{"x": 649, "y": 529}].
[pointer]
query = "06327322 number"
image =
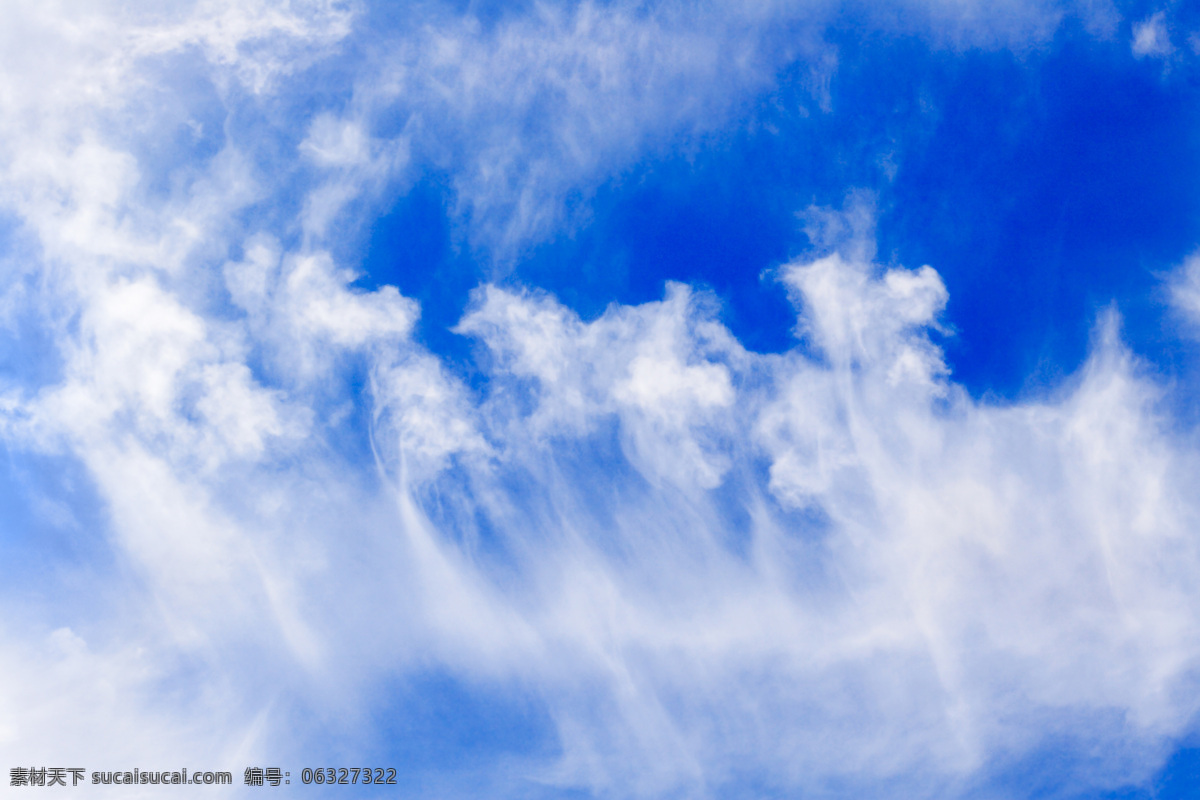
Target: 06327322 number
[{"x": 347, "y": 775}]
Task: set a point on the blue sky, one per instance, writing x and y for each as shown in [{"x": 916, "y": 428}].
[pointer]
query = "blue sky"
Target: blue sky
[{"x": 606, "y": 399}]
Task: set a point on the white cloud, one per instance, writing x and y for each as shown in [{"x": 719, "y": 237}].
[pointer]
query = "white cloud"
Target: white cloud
[
  {"x": 703, "y": 561},
  {"x": 1151, "y": 37},
  {"x": 1184, "y": 287},
  {"x": 661, "y": 369},
  {"x": 332, "y": 142},
  {"x": 530, "y": 113},
  {"x": 985, "y": 575},
  {"x": 542, "y": 105}
]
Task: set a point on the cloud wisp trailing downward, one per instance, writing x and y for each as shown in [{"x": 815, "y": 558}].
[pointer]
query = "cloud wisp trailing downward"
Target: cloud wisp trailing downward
[
  {"x": 827, "y": 569},
  {"x": 910, "y": 583}
]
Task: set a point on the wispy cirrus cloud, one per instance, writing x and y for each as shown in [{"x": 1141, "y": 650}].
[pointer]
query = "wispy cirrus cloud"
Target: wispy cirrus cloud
[
  {"x": 527, "y": 114},
  {"x": 826, "y": 567},
  {"x": 985, "y": 576}
]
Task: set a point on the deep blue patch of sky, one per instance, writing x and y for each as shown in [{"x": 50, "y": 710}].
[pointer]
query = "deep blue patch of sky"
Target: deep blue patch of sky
[
  {"x": 1056, "y": 772},
  {"x": 1045, "y": 191},
  {"x": 413, "y": 247},
  {"x": 1041, "y": 186}
]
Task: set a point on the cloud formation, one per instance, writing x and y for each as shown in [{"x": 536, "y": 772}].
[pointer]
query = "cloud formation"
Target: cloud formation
[
  {"x": 829, "y": 569},
  {"x": 1151, "y": 38},
  {"x": 968, "y": 578}
]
